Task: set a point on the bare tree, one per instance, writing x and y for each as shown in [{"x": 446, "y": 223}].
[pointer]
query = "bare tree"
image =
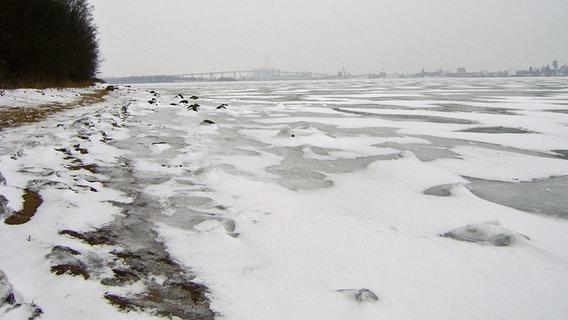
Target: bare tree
[{"x": 47, "y": 42}]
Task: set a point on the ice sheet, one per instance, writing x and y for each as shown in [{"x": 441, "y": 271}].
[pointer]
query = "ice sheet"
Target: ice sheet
[{"x": 300, "y": 193}]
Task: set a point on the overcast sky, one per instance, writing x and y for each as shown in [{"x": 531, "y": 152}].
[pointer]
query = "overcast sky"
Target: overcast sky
[{"x": 144, "y": 37}]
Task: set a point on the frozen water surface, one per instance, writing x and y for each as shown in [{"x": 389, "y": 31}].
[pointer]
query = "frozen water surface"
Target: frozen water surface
[
  {"x": 301, "y": 198},
  {"x": 476, "y": 113}
]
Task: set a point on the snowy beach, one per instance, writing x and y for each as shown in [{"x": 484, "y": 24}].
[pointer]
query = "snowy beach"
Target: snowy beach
[{"x": 356, "y": 199}]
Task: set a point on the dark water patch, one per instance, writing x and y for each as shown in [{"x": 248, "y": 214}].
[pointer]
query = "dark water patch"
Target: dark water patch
[
  {"x": 543, "y": 196},
  {"x": 300, "y": 172},
  {"x": 496, "y": 130},
  {"x": 564, "y": 111},
  {"x": 563, "y": 154},
  {"x": 407, "y": 117},
  {"x": 375, "y": 106},
  {"x": 423, "y": 151},
  {"x": 456, "y": 107},
  {"x": 368, "y": 131},
  {"x": 300, "y": 178},
  {"x": 359, "y": 113},
  {"x": 32, "y": 201},
  {"x": 294, "y": 159},
  {"x": 422, "y": 118},
  {"x": 439, "y": 143}
]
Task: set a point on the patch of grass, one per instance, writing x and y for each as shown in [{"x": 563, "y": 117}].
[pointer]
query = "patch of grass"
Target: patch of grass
[
  {"x": 121, "y": 277},
  {"x": 122, "y": 303},
  {"x": 77, "y": 163},
  {"x": 94, "y": 238},
  {"x": 92, "y": 168},
  {"x": 163, "y": 301},
  {"x": 32, "y": 201},
  {"x": 14, "y": 117},
  {"x": 74, "y": 270}
]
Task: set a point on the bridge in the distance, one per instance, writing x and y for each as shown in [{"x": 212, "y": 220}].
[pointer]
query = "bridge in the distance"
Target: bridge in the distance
[
  {"x": 262, "y": 74},
  {"x": 255, "y": 74}
]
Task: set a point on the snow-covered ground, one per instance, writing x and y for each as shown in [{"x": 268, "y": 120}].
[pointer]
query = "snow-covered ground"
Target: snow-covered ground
[
  {"x": 26, "y": 98},
  {"x": 361, "y": 199}
]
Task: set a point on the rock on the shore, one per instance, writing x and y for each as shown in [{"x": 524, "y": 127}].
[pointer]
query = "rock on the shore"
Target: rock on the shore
[
  {"x": 360, "y": 295},
  {"x": 485, "y": 232},
  {"x": 6, "y": 290},
  {"x": 4, "y": 210}
]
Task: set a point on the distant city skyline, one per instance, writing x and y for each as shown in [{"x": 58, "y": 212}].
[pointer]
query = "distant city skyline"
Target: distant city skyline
[{"x": 147, "y": 37}]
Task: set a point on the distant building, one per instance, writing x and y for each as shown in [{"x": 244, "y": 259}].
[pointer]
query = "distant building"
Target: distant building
[{"x": 461, "y": 72}]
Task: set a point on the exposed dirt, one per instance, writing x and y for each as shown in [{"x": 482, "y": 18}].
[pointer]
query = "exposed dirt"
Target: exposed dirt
[{"x": 13, "y": 117}]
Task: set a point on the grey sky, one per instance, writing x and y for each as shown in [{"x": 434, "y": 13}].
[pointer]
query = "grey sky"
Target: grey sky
[{"x": 143, "y": 37}]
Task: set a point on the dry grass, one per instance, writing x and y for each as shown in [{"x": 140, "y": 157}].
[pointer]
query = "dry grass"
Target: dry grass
[
  {"x": 32, "y": 201},
  {"x": 74, "y": 270},
  {"x": 94, "y": 238},
  {"x": 13, "y": 117}
]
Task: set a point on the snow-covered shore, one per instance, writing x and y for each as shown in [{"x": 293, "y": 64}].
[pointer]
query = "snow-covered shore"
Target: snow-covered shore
[{"x": 298, "y": 200}]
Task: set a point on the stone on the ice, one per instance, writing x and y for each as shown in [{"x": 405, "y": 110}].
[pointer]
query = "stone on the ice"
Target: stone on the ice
[
  {"x": 4, "y": 211},
  {"x": 110, "y": 88},
  {"x": 222, "y": 106},
  {"x": 207, "y": 121},
  {"x": 360, "y": 295},
  {"x": 443, "y": 190},
  {"x": 6, "y": 290},
  {"x": 229, "y": 225},
  {"x": 194, "y": 107},
  {"x": 489, "y": 232},
  {"x": 286, "y": 132},
  {"x": 194, "y": 97}
]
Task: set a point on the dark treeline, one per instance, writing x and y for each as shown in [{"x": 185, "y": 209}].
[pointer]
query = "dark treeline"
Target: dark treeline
[{"x": 47, "y": 43}]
